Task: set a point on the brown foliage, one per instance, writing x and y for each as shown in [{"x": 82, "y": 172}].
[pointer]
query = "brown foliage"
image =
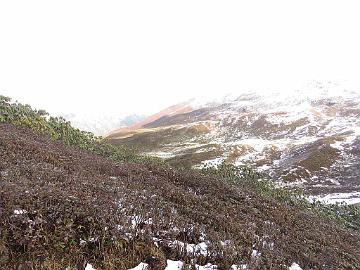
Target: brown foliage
[{"x": 62, "y": 207}]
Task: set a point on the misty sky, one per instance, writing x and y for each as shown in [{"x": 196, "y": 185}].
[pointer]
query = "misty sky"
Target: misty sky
[{"x": 124, "y": 57}]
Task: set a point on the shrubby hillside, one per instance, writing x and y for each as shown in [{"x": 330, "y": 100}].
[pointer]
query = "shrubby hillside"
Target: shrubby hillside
[
  {"x": 60, "y": 129},
  {"x": 69, "y": 200}
]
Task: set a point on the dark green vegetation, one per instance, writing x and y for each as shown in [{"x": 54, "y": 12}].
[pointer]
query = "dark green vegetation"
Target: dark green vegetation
[
  {"x": 63, "y": 203},
  {"x": 346, "y": 215},
  {"x": 60, "y": 129}
]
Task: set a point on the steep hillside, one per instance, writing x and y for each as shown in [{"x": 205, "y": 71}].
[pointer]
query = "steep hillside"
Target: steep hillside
[
  {"x": 70, "y": 201},
  {"x": 168, "y": 112},
  {"x": 306, "y": 139},
  {"x": 62, "y": 206}
]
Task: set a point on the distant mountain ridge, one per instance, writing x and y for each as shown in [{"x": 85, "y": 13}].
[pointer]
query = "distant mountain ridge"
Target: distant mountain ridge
[
  {"x": 306, "y": 139},
  {"x": 101, "y": 124},
  {"x": 170, "y": 111}
]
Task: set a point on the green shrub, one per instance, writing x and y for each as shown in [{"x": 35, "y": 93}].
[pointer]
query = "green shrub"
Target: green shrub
[
  {"x": 246, "y": 177},
  {"x": 60, "y": 129}
]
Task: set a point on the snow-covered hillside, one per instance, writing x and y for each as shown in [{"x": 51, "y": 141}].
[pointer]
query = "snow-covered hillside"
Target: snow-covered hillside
[{"x": 307, "y": 139}]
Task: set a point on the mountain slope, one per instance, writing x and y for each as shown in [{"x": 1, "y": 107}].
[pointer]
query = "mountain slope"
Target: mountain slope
[
  {"x": 170, "y": 111},
  {"x": 306, "y": 139},
  {"x": 62, "y": 206},
  {"x": 100, "y": 124},
  {"x": 70, "y": 201}
]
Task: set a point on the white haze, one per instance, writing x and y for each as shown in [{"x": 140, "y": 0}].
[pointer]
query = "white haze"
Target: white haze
[{"x": 107, "y": 59}]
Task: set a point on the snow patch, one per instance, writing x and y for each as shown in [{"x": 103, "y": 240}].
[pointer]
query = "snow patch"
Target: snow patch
[
  {"x": 200, "y": 248},
  {"x": 178, "y": 265},
  {"x": 89, "y": 267},
  {"x": 19, "y": 212},
  {"x": 141, "y": 266},
  {"x": 239, "y": 267},
  {"x": 295, "y": 266},
  {"x": 206, "y": 267},
  {"x": 211, "y": 163},
  {"x": 347, "y": 198},
  {"x": 164, "y": 155},
  {"x": 174, "y": 265}
]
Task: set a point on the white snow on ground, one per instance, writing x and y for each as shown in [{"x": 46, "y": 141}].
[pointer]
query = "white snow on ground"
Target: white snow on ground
[
  {"x": 295, "y": 266},
  {"x": 206, "y": 267},
  {"x": 347, "y": 198},
  {"x": 136, "y": 220},
  {"x": 174, "y": 265},
  {"x": 141, "y": 266},
  {"x": 255, "y": 254},
  {"x": 200, "y": 248},
  {"x": 338, "y": 145},
  {"x": 178, "y": 265},
  {"x": 239, "y": 267},
  {"x": 89, "y": 267},
  {"x": 19, "y": 211},
  {"x": 259, "y": 144},
  {"x": 161, "y": 154},
  {"x": 212, "y": 162},
  {"x": 289, "y": 113},
  {"x": 264, "y": 168},
  {"x": 257, "y": 147}
]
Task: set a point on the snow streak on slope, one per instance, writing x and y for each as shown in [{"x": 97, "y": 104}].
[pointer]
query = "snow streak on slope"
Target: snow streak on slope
[{"x": 307, "y": 138}]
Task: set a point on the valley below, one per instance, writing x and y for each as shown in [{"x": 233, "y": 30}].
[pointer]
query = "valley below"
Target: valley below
[
  {"x": 233, "y": 190},
  {"x": 307, "y": 140}
]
